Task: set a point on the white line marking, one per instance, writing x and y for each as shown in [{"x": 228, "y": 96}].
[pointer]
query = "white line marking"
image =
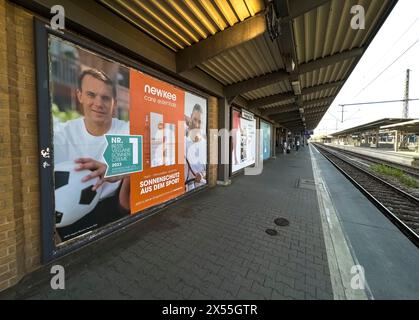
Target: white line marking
[{"x": 340, "y": 255}]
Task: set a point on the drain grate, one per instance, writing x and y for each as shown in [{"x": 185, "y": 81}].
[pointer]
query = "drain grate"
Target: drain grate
[
  {"x": 282, "y": 222},
  {"x": 271, "y": 232},
  {"x": 306, "y": 184}
]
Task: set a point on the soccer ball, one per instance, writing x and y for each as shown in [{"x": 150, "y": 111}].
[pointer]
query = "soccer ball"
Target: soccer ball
[{"x": 73, "y": 198}]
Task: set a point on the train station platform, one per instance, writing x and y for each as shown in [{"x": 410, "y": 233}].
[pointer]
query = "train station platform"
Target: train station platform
[
  {"x": 362, "y": 235},
  {"x": 401, "y": 157},
  {"x": 214, "y": 245}
]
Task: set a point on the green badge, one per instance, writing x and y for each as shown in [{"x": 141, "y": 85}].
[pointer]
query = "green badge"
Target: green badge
[{"x": 123, "y": 154}]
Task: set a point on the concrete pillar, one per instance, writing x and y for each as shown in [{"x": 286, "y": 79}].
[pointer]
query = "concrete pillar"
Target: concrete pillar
[
  {"x": 259, "y": 144},
  {"x": 212, "y": 141},
  {"x": 396, "y": 141},
  {"x": 273, "y": 142},
  {"x": 224, "y": 142}
]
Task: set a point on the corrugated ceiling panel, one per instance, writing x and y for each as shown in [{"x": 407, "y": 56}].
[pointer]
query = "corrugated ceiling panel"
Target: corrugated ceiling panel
[
  {"x": 254, "y": 58},
  {"x": 314, "y": 121},
  {"x": 327, "y": 74},
  {"x": 376, "y": 12},
  {"x": 178, "y": 24},
  {"x": 320, "y": 94},
  {"x": 319, "y": 33},
  {"x": 310, "y": 118},
  {"x": 311, "y": 113},
  {"x": 327, "y": 30},
  {"x": 276, "y": 88},
  {"x": 315, "y": 105},
  {"x": 217, "y": 73},
  {"x": 267, "y": 52},
  {"x": 277, "y": 104}
]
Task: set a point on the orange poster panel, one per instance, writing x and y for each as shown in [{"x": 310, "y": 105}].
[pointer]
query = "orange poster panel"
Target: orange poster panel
[{"x": 157, "y": 113}]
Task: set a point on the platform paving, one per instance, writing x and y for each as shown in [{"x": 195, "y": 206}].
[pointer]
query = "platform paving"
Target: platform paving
[
  {"x": 212, "y": 245},
  {"x": 400, "y": 157}
]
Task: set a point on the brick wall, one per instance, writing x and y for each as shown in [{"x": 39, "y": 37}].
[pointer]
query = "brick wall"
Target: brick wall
[
  {"x": 213, "y": 140},
  {"x": 19, "y": 183}
]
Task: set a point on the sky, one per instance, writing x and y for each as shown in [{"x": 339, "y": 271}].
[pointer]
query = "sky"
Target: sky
[{"x": 398, "y": 33}]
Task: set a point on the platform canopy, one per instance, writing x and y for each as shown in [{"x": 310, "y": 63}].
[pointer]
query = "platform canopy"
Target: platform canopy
[
  {"x": 372, "y": 126},
  {"x": 283, "y": 59},
  {"x": 407, "y": 126}
]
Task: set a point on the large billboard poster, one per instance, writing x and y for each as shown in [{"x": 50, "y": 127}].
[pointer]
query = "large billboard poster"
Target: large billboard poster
[
  {"x": 266, "y": 132},
  {"x": 123, "y": 141},
  {"x": 243, "y": 141}
]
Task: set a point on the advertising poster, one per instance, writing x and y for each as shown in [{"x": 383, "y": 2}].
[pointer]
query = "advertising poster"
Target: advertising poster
[
  {"x": 195, "y": 142},
  {"x": 158, "y": 115},
  {"x": 266, "y": 132},
  {"x": 244, "y": 141},
  {"x": 123, "y": 141},
  {"x": 89, "y": 99}
]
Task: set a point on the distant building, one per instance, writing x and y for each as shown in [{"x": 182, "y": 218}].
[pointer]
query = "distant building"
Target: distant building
[{"x": 387, "y": 133}]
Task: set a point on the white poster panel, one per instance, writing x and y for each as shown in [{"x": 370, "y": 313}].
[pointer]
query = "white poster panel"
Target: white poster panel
[
  {"x": 195, "y": 141},
  {"x": 244, "y": 142}
]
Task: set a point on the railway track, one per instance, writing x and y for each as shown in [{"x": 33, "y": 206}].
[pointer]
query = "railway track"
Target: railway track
[
  {"x": 399, "y": 206},
  {"x": 413, "y": 172}
]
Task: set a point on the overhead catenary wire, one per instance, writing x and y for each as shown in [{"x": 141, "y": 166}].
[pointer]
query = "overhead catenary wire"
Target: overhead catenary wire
[
  {"x": 393, "y": 45},
  {"x": 376, "y": 102},
  {"x": 388, "y": 78},
  {"x": 351, "y": 116},
  {"x": 332, "y": 115},
  {"x": 359, "y": 109},
  {"x": 395, "y": 75},
  {"x": 385, "y": 69}
]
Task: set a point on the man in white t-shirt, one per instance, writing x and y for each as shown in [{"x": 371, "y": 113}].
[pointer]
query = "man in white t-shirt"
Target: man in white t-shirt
[
  {"x": 195, "y": 151},
  {"x": 82, "y": 140}
]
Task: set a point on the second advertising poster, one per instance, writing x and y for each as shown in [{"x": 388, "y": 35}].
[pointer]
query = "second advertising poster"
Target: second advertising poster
[
  {"x": 173, "y": 125},
  {"x": 244, "y": 141}
]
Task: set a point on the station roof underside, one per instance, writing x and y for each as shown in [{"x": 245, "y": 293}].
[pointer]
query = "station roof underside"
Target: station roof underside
[
  {"x": 304, "y": 68},
  {"x": 291, "y": 80}
]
